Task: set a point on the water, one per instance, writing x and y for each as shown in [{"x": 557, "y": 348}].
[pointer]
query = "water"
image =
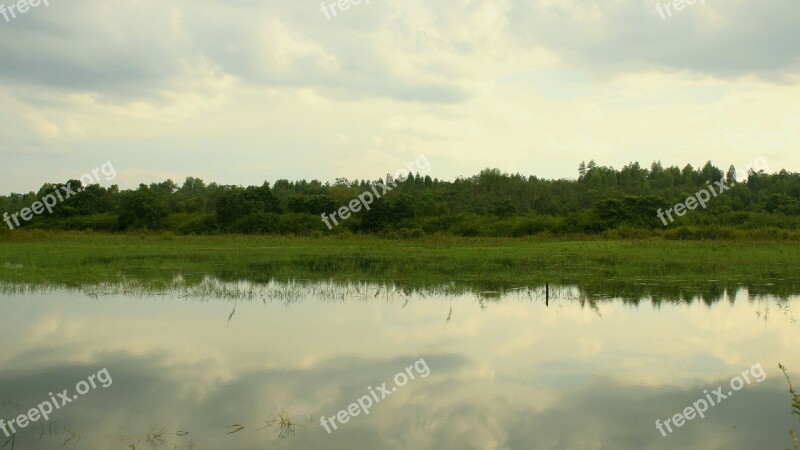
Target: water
[{"x": 258, "y": 371}]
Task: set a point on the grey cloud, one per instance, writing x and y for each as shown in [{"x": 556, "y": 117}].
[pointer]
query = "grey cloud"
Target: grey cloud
[
  {"x": 78, "y": 46},
  {"x": 132, "y": 52},
  {"x": 746, "y": 38}
]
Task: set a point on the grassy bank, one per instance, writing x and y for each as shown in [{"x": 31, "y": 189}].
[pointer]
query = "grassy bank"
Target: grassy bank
[{"x": 631, "y": 269}]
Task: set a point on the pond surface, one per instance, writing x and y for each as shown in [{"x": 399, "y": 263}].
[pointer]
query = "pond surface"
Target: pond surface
[{"x": 497, "y": 371}]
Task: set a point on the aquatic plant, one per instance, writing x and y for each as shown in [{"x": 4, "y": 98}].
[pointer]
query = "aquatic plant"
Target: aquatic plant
[{"x": 795, "y": 407}]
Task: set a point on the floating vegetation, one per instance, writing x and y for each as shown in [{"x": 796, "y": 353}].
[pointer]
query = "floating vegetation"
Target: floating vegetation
[
  {"x": 73, "y": 437},
  {"x": 763, "y": 309},
  {"x": 155, "y": 438},
  {"x": 231, "y": 315},
  {"x": 51, "y": 430},
  {"x": 284, "y": 425},
  {"x": 235, "y": 428},
  {"x": 339, "y": 291}
]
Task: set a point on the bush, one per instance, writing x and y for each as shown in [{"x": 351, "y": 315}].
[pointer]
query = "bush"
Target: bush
[{"x": 193, "y": 223}]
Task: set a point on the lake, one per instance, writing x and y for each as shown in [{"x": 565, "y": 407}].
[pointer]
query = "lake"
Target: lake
[{"x": 236, "y": 365}]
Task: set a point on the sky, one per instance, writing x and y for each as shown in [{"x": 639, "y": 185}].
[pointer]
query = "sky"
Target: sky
[{"x": 240, "y": 92}]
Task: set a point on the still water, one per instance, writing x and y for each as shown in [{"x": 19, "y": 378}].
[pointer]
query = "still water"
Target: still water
[{"x": 480, "y": 371}]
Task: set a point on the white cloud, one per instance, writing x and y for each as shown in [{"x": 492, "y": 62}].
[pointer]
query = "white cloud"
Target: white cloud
[{"x": 532, "y": 87}]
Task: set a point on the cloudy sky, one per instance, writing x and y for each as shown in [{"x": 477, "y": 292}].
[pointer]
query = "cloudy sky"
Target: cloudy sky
[{"x": 244, "y": 91}]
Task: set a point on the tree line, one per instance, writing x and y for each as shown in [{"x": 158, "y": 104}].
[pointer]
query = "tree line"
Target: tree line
[{"x": 601, "y": 200}]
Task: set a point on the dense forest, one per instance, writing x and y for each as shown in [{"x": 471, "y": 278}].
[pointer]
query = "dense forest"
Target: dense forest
[{"x": 602, "y": 200}]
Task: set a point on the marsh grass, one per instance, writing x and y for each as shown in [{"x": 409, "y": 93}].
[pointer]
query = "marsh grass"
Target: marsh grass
[
  {"x": 795, "y": 407},
  {"x": 73, "y": 439},
  {"x": 155, "y": 438},
  {"x": 283, "y": 424},
  {"x": 631, "y": 270}
]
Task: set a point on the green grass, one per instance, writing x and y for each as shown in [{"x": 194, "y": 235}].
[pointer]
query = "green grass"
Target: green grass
[{"x": 631, "y": 269}]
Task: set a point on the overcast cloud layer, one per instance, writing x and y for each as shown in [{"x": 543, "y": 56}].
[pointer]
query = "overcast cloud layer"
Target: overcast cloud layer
[{"x": 252, "y": 90}]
